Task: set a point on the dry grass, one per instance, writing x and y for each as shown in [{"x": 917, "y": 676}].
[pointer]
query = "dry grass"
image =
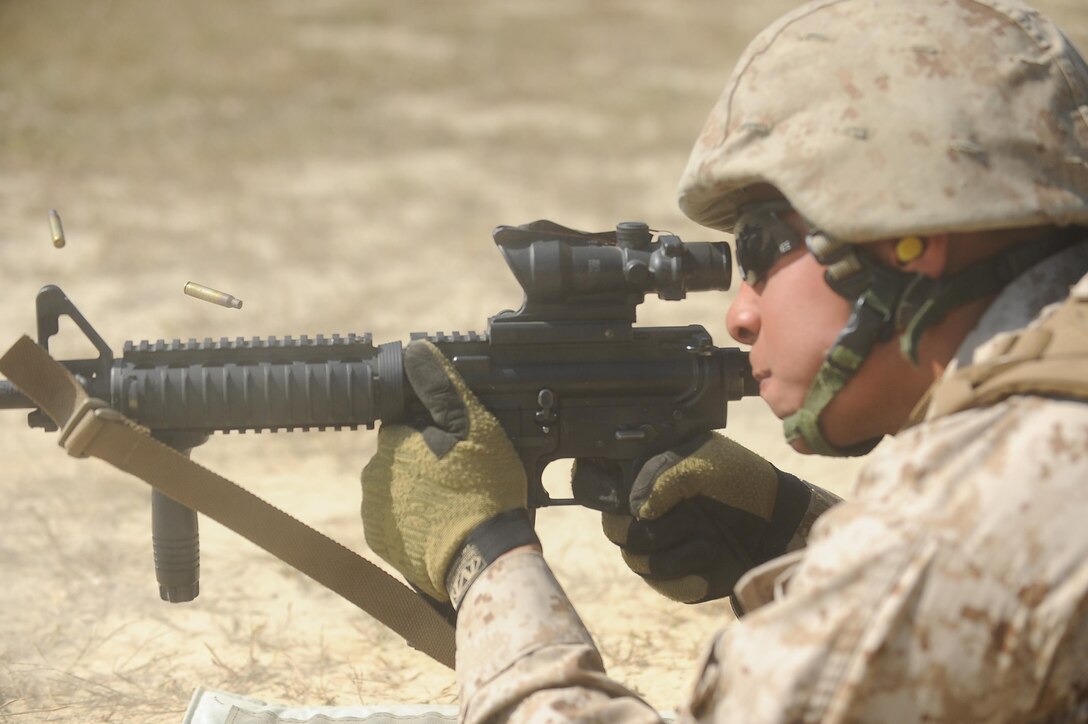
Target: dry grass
[{"x": 339, "y": 167}]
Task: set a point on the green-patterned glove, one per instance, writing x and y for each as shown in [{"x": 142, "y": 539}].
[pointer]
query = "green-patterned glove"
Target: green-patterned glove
[
  {"x": 425, "y": 491},
  {"x": 703, "y": 514}
]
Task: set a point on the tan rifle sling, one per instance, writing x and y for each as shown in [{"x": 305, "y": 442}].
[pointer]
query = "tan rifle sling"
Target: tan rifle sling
[
  {"x": 1049, "y": 358},
  {"x": 89, "y": 428}
]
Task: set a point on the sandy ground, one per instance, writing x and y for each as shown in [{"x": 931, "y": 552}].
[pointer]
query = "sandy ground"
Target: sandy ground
[{"x": 339, "y": 167}]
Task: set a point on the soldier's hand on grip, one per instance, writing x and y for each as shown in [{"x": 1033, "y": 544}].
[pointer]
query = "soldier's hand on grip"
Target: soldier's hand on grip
[
  {"x": 426, "y": 490},
  {"x": 701, "y": 515}
]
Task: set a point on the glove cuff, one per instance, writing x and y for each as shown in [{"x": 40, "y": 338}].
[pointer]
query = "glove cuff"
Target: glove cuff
[{"x": 484, "y": 544}]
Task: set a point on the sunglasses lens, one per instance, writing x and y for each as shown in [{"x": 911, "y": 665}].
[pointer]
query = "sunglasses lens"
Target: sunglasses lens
[
  {"x": 751, "y": 251},
  {"x": 762, "y": 237}
]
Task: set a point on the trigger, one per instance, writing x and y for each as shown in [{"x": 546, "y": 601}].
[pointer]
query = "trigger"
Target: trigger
[{"x": 596, "y": 484}]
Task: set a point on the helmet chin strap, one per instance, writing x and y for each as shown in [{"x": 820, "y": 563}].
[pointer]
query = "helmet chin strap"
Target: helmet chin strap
[
  {"x": 872, "y": 320},
  {"x": 887, "y": 302}
]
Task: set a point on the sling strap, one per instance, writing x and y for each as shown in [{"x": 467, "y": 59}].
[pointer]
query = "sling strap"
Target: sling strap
[{"x": 90, "y": 428}]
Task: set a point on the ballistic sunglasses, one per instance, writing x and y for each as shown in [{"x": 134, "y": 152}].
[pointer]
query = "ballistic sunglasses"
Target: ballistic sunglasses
[{"x": 763, "y": 237}]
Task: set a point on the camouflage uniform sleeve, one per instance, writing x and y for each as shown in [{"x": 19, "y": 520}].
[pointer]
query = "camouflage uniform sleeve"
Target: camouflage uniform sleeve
[
  {"x": 524, "y": 655},
  {"x": 952, "y": 586}
]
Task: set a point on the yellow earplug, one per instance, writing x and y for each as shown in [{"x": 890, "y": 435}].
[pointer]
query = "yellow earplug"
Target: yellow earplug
[{"x": 909, "y": 248}]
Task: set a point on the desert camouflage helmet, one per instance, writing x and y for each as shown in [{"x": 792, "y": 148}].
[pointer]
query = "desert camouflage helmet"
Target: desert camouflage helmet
[{"x": 883, "y": 118}]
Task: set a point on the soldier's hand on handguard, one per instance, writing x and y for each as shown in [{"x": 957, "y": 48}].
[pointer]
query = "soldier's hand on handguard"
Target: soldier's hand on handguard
[
  {"x": 701, "y": 515},
  {"x": 453, "y": 490}
]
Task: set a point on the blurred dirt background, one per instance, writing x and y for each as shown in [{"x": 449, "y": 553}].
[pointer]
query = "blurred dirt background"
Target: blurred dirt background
[{"x": 338, "y": 166}]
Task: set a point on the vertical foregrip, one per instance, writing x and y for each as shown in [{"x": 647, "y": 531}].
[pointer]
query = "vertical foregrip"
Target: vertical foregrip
[
  {"x": 175, "y": 534},
  {"x": 175, "y": 543}
]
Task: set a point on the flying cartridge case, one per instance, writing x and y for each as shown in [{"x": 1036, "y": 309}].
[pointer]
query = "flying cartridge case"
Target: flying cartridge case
[{"x": 212, "y": 295}]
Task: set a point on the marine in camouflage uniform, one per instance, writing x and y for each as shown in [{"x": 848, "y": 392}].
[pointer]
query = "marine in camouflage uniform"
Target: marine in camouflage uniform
[{"x": 914, "y": 178}]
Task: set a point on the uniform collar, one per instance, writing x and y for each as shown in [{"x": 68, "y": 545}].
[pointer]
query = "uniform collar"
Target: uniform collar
[{"x": 1021, "y": 300}]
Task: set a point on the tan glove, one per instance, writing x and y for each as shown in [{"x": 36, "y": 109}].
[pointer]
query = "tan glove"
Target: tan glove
[
  {"x": 699, "y": 516},
  {"x": 425, "y": 491}
]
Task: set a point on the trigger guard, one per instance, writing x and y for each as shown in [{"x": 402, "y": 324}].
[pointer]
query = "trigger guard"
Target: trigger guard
[{"x": 605, "y": 485}]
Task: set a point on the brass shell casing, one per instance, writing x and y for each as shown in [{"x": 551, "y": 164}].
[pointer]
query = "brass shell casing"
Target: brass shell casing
[{"x": 214, "y": 296}]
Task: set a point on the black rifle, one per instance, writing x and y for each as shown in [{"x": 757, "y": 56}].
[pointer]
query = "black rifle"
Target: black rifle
[{"x": 568, "y": 375}]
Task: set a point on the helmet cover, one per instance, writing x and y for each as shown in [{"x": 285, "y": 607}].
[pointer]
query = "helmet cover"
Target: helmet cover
[{"x": 883, "y": 118}]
